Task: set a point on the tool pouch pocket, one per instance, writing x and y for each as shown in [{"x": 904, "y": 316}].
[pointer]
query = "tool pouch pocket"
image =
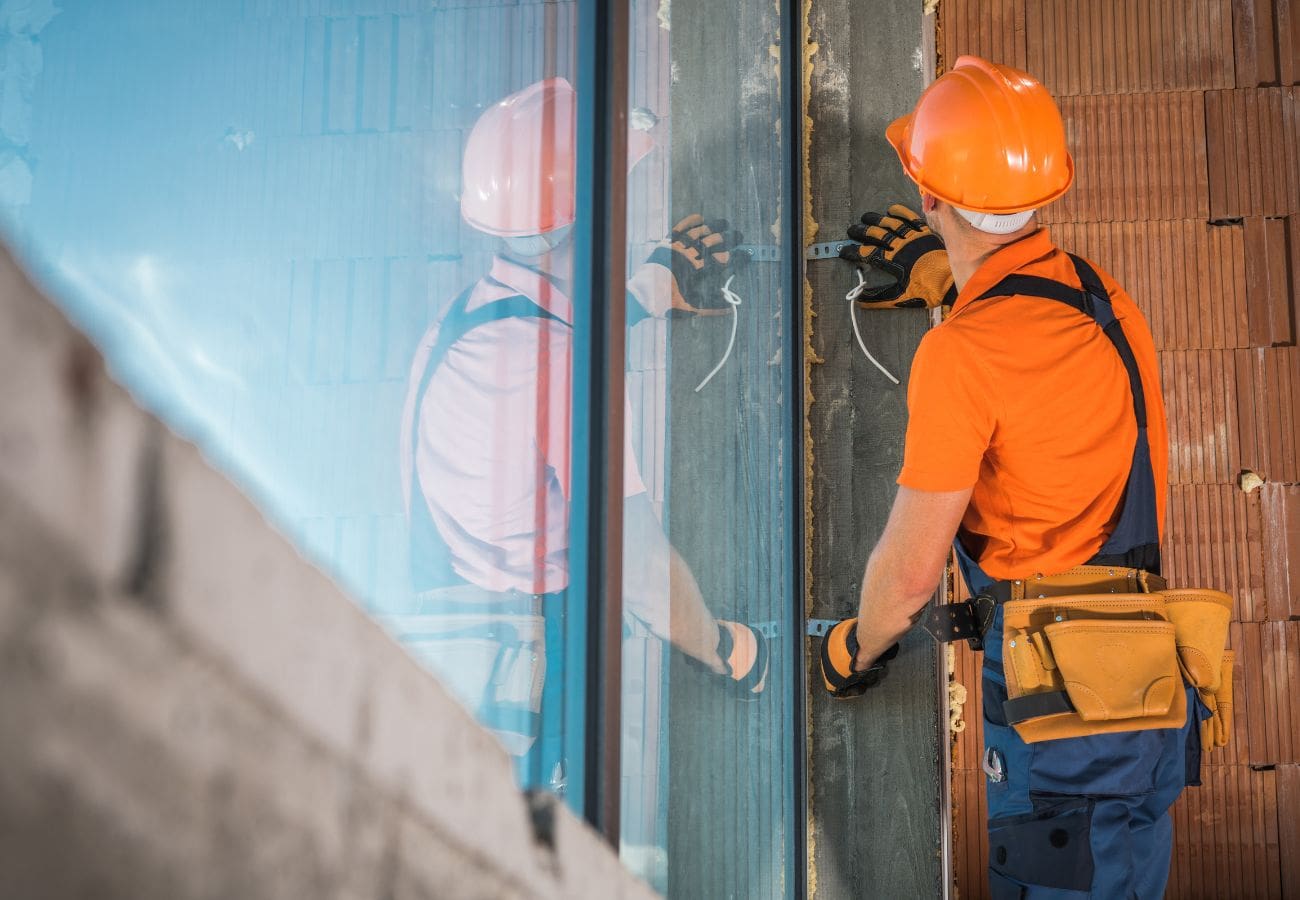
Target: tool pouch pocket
[
  {"x": 1218, "y": 727},
  {"x": 1200, "y": 619},
  {"x": 1091, "y": 664},
  {"x": 1121, "y": 669}
]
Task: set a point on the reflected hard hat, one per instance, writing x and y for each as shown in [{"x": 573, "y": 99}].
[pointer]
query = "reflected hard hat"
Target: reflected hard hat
[
  {"x": 518, "y": 172},
  {"x": 986, "y": 138}
]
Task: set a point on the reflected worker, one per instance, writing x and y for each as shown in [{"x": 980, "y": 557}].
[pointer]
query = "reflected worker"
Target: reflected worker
[{"x": 486, "y": 448}]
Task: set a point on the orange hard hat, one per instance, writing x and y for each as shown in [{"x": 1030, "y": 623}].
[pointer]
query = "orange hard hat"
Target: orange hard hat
[
  {"x": 986, "y": 138},
  {"x": 517, "y": 176}
]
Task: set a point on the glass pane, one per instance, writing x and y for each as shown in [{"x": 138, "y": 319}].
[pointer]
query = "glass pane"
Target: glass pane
[
  {"x": 710, "y": 666},
  {"x": 328, "y": 240}
]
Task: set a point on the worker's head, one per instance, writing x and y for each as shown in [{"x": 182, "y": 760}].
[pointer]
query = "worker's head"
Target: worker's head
[
  {"x": 518, "y": 173},
  {"x": 986, "y": 147}
]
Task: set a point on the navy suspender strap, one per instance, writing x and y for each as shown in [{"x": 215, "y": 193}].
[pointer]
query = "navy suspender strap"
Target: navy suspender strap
[
  {"x": 430, "y": 556},
  {"x": 458, "y": 322},
  {"x": 1135, "y": 541},
  {"x": 1094, "y": 302}
]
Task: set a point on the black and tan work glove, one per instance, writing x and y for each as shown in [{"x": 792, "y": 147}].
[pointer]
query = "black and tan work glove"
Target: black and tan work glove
[
  {"x": 1216, "y": 730},
  {"x": 900, "y": 244},
  {"x": 694, "y": 263},
  {"x": 839, "y": 654}
]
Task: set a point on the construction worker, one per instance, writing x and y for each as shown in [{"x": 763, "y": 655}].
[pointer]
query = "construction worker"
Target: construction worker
[
  {"x": 486, "y": 449},
  {"x": 1037, "y": 440}
]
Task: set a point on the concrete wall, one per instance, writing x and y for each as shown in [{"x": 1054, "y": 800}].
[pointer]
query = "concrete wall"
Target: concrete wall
[
  {"x": 876, "y": 765},
  {"x": 188, "y": 710}
]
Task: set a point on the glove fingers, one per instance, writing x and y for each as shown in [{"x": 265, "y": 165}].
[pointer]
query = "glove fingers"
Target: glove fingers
[
  {"x": 725, "y": 253},
  {"x": 689, "y": 222},
  {"x": 712, "y": 245},
  {"x": 869, "y": 233},
  {"x": 887, "y": 229},
  {"x": 857, "y": 232},
  {"x": 898, "y": 213},
  {"x": 889, "y": 300},
  {"x": 698, "y": 232},
  {"x": 872, "y": 237},
  {"x": 690, "y": 253},
  {"x": 702, "y": 246},
  {"x": 859, "y": 252},
  {"x": 908, "y": 216}
]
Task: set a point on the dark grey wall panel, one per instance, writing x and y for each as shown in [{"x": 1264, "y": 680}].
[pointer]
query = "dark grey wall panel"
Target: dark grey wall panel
[{"x": 874, "y": 763}]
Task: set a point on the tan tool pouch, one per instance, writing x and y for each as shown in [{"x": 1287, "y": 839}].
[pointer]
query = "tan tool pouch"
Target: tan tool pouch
[
  {"x": 1090, "y": 664},
  {"x": 1122, "y": 669}
]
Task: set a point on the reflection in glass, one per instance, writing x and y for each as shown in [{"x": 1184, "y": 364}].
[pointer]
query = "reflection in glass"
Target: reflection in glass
[
  {"x": 487, "y": 424},
  {"x": 256, "y": 210},
  {"x": 486, "y": 438},
  {"x": 332, "y": 242},
  {"x": 708, "y": 795}
]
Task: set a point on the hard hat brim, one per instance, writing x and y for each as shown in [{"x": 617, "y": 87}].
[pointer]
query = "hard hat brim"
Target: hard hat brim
[{"x": 897, "y": 134}]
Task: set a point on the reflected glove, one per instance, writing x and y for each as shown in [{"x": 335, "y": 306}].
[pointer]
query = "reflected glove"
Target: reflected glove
[
  {"x": 901, "y": 245},
  {"x": 744, "y": 651},
  {"x": 699, "y": 257},
  {"x": 839, "y": 650},
  {"x": 745, "y": 656}
]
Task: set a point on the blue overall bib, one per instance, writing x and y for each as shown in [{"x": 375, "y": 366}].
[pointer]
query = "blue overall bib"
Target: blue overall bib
[
  {"x": 442, "y": 592},
  {"x": 1086, "y": 816}
]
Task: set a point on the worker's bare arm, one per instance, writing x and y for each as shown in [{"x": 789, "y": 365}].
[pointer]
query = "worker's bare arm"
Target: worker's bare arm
[
  {"x": 904, "y": 568},
  {"x": 660, "y": 589}
]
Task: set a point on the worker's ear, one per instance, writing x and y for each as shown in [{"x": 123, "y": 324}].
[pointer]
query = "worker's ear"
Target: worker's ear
[{"x": 929, "y": 203}]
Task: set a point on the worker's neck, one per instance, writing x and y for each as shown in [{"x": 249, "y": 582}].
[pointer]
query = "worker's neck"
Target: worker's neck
[
  {"x": 556, "y": 265},
  {"x": 966, "y": 261},
  {"x": 968, "y": 249}
]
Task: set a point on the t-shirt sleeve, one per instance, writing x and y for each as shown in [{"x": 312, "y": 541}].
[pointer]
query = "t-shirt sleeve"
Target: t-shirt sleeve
[{"x": 951, "y": 418}]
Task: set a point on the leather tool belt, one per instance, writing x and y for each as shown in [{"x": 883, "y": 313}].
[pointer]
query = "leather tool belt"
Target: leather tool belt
[
  {"x": 969, "y": 620},
  {"x": 1099, "y": 649}
]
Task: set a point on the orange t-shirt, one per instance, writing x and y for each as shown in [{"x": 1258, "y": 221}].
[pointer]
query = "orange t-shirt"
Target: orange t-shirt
[{"x": 1026, "y": 401}]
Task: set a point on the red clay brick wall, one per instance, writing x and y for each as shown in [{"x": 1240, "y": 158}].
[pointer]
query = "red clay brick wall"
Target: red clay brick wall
[{"x": 1184, "y": 117}]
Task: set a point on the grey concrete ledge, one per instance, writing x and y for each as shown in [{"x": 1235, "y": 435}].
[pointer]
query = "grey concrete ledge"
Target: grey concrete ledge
[{"x": 188, "y": 709}]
